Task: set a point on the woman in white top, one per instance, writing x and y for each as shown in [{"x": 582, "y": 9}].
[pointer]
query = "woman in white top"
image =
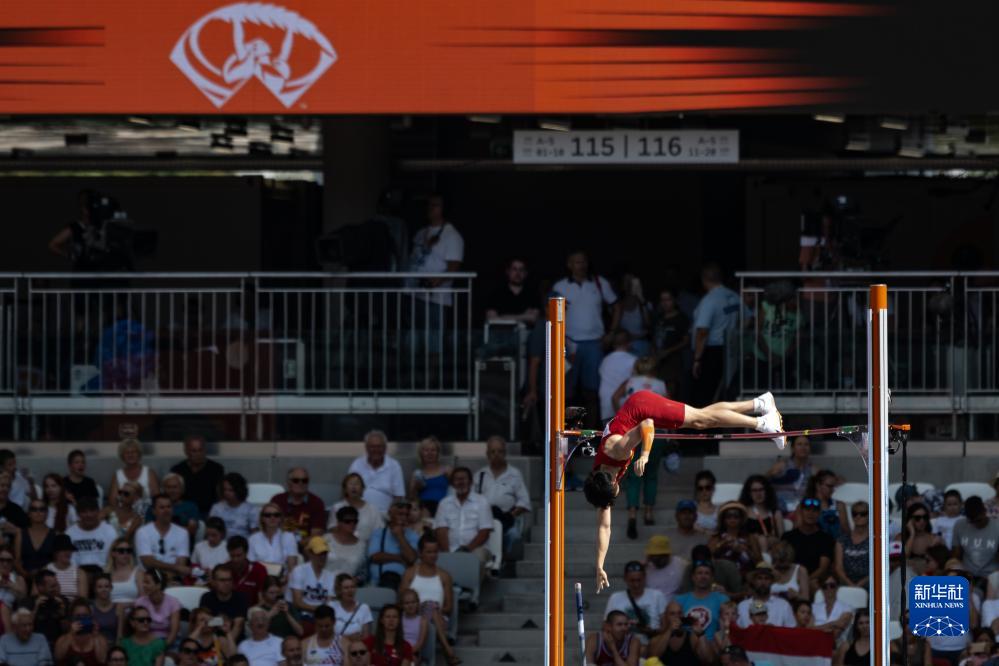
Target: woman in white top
[
  {"x": 240, "y": 516},
  {"x": 347, "y": 552},
  {"x": 72, "y": 579},
  {"x": 368, "y": 517},
  {"x": 122, "y": 514},
  {"x": 124, "y": 571},
  {"x": 212, "y": 551},
  {"x": 707, "y": 511},
  {"x": 831, "y": 614},
  {"x": 353, "y": 619},
  {"x": 790, "y": 579},
  {"x": 130, "y": 453},
  {"x": 433, "y": 585},
  {"x": 272, "y": 545},
  {"x": 61, "y": 513}
]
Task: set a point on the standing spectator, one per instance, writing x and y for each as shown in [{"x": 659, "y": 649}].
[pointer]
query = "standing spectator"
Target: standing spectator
[
  {"x": 84, "y": 643},
  {"x": 764, "y": 519},
  {"x": 830, "y": 613},
  {"x": 61, "y": 513},
  {"x": 707, "y": 510},
  {"x": 239, "y": 515},
  {"x": 76, "y": 482},
  {"x": 325, "y": 646},
  {"x": 644, "y": 606},
  {"x": 271, "y": 544},
  {"x": 433, "y": 587},
  {"x": 614, "y": 644},
  {"x": 642, "y": 379},
  {"x": 437, "y": 248},
  {"x": 202, "y": 477},
  {"x": 392, "y": 549},
  {"x": 33, "y": 543},
  {"x": 121, "y": 514},
  {"x": 381, "y": 472},
  {"x": 212, "y": 551},
  {"x": 671, "y": 337},
  {"x": 778, "y": 610},
  {"x": 143, "y": 647},
  {"x": 125, "y": 572},
  {"x": 12, "y": 515},
  {"x": 503, "y": 487},
  {"x": 663, "y": 571},
  {"x": 130, "y": 453},
  {"x": 164, "y": 610},
  {"x": 388, "y": 647},
  {"x": 311, "y": 584},
  {"x": 512, "y": 301},
  {"x": 832, "y": 517},
  {"x": 813, "y": 548},
  {"x": 21, "y": 484},
  {"x": 976, "y": 539},
  {"x": 262, "y": 648},
  {"x": 944, "y": 523},
  {"x": 464, "y": 519},
  {"x": 685, "y": 536},
  {"x": 369, "y": 518},
  {"x": 353, "y": 618},
  {"x": 586, "y": 296},
  {"x": 283, "y": 622},
  {"x": 429, "y": 482},
  {"x": 248, "y": 577},
  {"x": 12, "y": 586},
  {"x": 790, "y": 579},
  {"x": 715, "y": 317},
  {"x": 21, "y": 646},
  {"x": 615, "y": 369},
  {"x": 72, "y": 579},
  {"x": 161, "y": 545},
  {"x": 304, "y": 512},
  {"x": 636, "y": 315},
  {"x": 223, "y": 600},
  {"x": 347, "y": 552},
  {"x": 91, "y": 537},
  {"x": 790, "y": 475},
  {"x": 49, "y": 607}
]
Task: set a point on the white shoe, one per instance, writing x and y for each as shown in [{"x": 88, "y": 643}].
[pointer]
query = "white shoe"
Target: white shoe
[
  {"x": 772, "y": 422},
  {"x": 764, "y": 404}
]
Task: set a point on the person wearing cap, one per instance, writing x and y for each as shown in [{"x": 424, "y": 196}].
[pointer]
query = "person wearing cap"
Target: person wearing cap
[
  {"x": 759, "y": 613},
  {"x": 685, "y": 536},
  {"x": 704, "y": 601},
  {"x": 779, "y": 612},
  {"x": 663, "y": 571},
  {"x": 72, "y": 579},
  {"x": 976, "y": 539},
  {"x": 635, "y": 423},
  {"x": 311, "y": 584},
  {"x": 644, "y": 606},
  {"x": 732, "y": 541},
  {"x": 614, "y": 644},
  {"x": 392, "y": 548},
  {"x": 223, "y": 600},
  {"x": 813, "y": 548}
]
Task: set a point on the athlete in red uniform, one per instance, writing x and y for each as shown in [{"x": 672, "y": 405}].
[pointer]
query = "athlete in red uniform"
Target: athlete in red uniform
[{"x": 636, "y": 423}]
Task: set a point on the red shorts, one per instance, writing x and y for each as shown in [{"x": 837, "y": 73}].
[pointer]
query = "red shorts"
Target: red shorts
[{"x": 639, "y": 406}]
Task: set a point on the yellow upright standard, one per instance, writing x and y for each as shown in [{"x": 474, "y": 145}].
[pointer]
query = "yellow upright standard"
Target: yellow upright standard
[{"x": 555, "y": 486}]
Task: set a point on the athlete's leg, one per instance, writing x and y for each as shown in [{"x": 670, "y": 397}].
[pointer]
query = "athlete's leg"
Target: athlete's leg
[
  {"x": 717, "y": 416},
  {"x": 743, "y": 407}
]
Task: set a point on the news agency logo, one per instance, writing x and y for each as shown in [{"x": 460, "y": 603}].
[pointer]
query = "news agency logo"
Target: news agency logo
[
  {"x": 939, "y": 606},
  {"x": 226, "y": 48}
]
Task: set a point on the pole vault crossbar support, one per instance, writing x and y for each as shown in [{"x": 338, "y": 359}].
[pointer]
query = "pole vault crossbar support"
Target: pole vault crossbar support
[
  {"x": 555, "y": 461},
  {"x": 877, "y": 470}
]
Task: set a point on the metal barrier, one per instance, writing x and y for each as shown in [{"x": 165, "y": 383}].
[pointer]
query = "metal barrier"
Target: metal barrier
[{"x": 249, "y": 343}]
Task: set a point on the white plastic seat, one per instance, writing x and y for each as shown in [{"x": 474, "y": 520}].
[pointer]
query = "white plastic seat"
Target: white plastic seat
[
  {"x": 189, "y": 597},
  {"x": 848, "y": 493},
  {"x": 972, "y": 488},
  {"x": 464, "y": 570},
  {"x": 376, "y": 597},
  {"x": 921, "y": 488},
  {"x": 894, "y": 630},
  {"x": 261, "y": 493},
  {"x": 854, "y": 597},
  {"x": 726, "y": 492}
]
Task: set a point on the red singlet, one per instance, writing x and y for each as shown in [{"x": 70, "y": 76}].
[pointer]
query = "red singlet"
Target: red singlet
[{"x": 639, "y": 406}]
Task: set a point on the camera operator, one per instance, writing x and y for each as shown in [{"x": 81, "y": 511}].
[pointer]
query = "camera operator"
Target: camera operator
[
  {"x": 87, "y": 242},
  {"x": 682, "y": 643}
]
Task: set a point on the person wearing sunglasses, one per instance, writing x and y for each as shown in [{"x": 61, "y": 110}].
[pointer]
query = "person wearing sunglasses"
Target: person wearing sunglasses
[
  {"x": 84, "y": 643},
  {"x": 635, "y": 424},
  {"x": 830, "y": 613},
  {"x": 916, "y": 535},
  {"x": 369, "y": 518},
  {"x": 358, "y": 654},
  {"x": 832, "y": 518},
  {"x": 33, "y": 544},
  {"x": 140, "y": 644},
  {"x": 122, "y": 514},
  {"x": 304, "y": 513},
  {"x": 271, "y": 544},
  {"x": 21, "y": 645},
  {"x": 125, "y": 572},
  {"x": 347, "y": 552},
  {"x": 851, "y": 560},
  {"x": 189, "y": 653},
  {"x": 813, "y": 548}
]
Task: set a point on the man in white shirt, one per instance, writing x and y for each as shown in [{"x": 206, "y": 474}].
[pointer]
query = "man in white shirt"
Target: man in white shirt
[
  {"x": 163, "y": 545},
  {"x": 464, "y": 520},
  {"x": 616, "y": 368},
  {"x": 779, "y": 612},
  {"x": 644, "y": 606},
  {"x": 437, "y": 248},
  {"x": 382, "y": 473},
  {"x": 716, "y": 315},
  {"x": 91, "y": 536},
  {"x": 262, "y": 648},
  {"x": 504, "y": 488}
]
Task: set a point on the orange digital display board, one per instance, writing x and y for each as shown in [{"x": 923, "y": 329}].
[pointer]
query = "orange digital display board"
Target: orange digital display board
[{"x": 412, "y": 56}]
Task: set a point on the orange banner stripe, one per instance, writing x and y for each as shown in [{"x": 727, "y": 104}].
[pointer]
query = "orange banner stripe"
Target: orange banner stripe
[
  {"x": 749, "y": 8},
  {"x": 714, "y": 102},
  {"x": 714, "y": 85},
  {"x": 652, "y": 54},
  {"x": 604, "y": 72}
]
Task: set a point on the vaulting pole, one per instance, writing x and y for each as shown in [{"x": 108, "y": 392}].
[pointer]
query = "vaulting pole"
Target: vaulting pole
[
  {"x": 554, "y": 484},
  {"x": 877, "y": 429}
]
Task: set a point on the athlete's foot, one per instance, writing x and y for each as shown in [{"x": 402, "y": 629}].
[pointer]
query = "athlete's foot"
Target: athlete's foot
[
  {"x": 632, "y": 528},
  {"x": 764, "y": 404},
  {"x": 772, "y": 422}
]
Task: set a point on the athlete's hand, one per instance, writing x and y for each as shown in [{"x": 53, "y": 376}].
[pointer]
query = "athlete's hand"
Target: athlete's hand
[
  {"x": 602, "y": 581},
  {"x": 640, "y": 465}
]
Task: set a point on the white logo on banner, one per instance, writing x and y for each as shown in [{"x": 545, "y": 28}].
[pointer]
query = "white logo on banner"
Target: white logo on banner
[{"x": 220, "y": 76}]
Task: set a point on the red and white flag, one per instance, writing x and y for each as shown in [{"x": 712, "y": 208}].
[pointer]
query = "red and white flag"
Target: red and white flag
[{"x": 780, "y": 646}]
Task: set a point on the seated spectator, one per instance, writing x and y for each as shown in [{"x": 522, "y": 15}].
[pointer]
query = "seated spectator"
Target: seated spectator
[
  {"x": 122, "y": 514},
  {"x": 13, "y": 587},
  {"x": 704, "y": 601},
  {"x": 357, "y": 654},
  {"x": 21, "y": 646},
  {"x": 224, "y": 601},
  {"x": 185, "y": 512},
  {"x": 614, "y": 643},
  {"x": 832, "y": 512},
  {"x": 758, "y": 613},
  {"x": 84, "y": 642},
  {"x": 125, "y": 572},
  {"x": 857, "y": 651},
  {"x": 388, "y": 647},
  {"x": 164, "y": 610},
  {"x": 193, "y": 653},
  {"x": 663, "y": 571},
  {"x": 91, "y": 537},
  {"x": 261, "y": 648},
  {"x": 813, "y": 548},
  {"x": 202, "y": 477},
  {"x": 417, "y": 521},
  {"x": 464, "y": 519},
  {"x": 512, "y": 301},
  {"x": 685, "y": 536},
  {"x": 49, "y": 607},
  {"x": 392, "y": 548},
  {"x": 764, "y": 518},
  {"x": 790, "y": 579},
  {"x": 21, "y": 485},
  {"x": 722, "y": 640},
  {"x": 61, "y": 514},
  {"x": 433, "y": 586},
  {"x": 803, "y": 617},
  {"x": 272, "y": 545},
  {"x": 503, "y": 487},
  {"x": 725, "y": 575},
  {"x": 707, "y": 510},
  {"x": 353, "y": 618},
  {"x": 975, "y": 539},
  {"x": 429, "y": 482},
  {"x": 130, "y": 453},
  {"x": 615, "y": 369},
  {"x": 943, "y": 524},
  {"x": 240, "y": 517},
  {"x": 347, "y": 552},
  {"x": 283, "y": 622},
  {"x": 106, "y": 613},
  {"x": 790, "y": 475},
  {"x": 13, "y": 516},
  {"x": 831, "y": 614},
  {"x": 414, "y": 625},
  {"x": 163, "y": 546},
  {"x": 644, "y": 606},
  {"x": 33, "y": 543},
  {"x": 677, "y": 644},
  {"x": 778, "y": 610},
  {"x": 732, "y": 542},
  {"x": 77, "y": 484},
  {"x": 381, "y": 472},
  {"x": 992, "y": 503},
  {"x": 304, "y": 513},
  {"x": 369, "y": 518},
  {"x": 72, "y": 579},
  {"x": 325, "y": 646},
  {"x": 851, "y": 561},
  {"x": 143, "y": 647},
  {"x": 248, "y": 576},
  {"x": 311, "y": 584},
  {"x": 636, "y": 315},
  {"x": 291, "y": 650},
  {"x": 213, "y": 550},
  {"x": 917, "y": 538}
]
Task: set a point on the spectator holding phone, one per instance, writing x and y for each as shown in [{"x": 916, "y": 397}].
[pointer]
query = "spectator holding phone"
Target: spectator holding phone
[
  {"x": 682, "y": 642},
  {"x": 83, "y": 643}
]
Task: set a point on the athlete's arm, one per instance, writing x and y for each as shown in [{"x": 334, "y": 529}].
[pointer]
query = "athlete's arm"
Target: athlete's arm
[
  {"x": 647, "y": 428},
  {"x": 603, "y": 542}
]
